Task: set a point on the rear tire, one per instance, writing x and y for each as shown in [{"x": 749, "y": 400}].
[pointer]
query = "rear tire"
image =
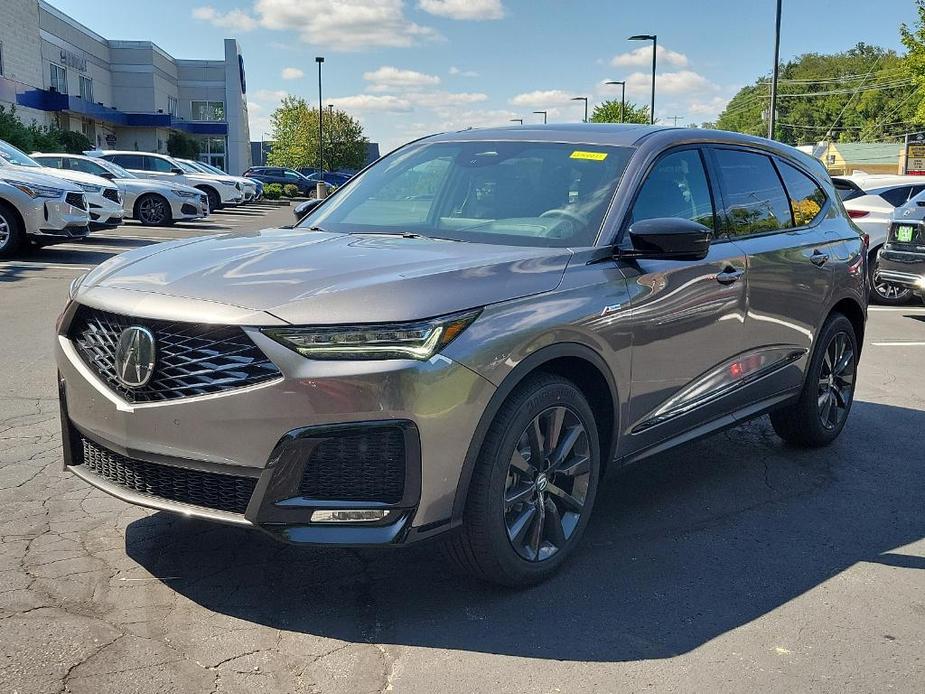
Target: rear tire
[
  {"x": 884, "y": 293},
  {"x": 528, "y": 506},
  {"x": 818, "y": 417},
  {"x": 12, "y": 233}
]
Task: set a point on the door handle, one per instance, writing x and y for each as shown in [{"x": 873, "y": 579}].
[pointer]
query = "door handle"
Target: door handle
[
  {"x": 818, "y": 258},
  {"x": 729, "y": 275}
]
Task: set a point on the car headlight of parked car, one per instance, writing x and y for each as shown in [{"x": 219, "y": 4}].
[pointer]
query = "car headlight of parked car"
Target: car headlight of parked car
[
  {"x": 90, "y": 188},
  {"x": 184, "y": 193},
  {"x": 35, "y": 191},
  {"x": 75, "y": 285},
  {"x": 418, "y": 340}
]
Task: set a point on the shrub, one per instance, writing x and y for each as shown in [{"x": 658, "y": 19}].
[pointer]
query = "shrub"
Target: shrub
[
  {"x": 182, "y": 146},
  {"x": 273, "y": 191},
  {"x": 39, "y": 138},
  {"x": 290, "y": 191}
]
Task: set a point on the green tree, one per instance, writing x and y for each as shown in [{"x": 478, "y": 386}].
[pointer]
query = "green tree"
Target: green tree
[
  {"x": 914, "y": 61},
  {"x": 610, "y": 112},
  {"x": 294, "y": 127},
  {"x": 862, "y": 94},
  {"x": 183, "y": 146},
  {"x": 39, "y": 138}
]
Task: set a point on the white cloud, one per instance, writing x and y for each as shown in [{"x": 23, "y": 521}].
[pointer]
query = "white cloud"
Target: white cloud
[
  {"x": 540, "y": 98},
  {"x": 643, "y": 56},
  {"x": 457, "y": 72},
  {"x": 273, "y": 95},
  {"x": 453, "y": 119},
  {"x": 388, "y": 77},
  {"x": 236, "y": 20},
  {"x": 463, "y": 9},
  {"x": 681, "y": 82},
  {"x": 344, "y": 25},
  {"x": 444, "y": 99},
  {"x": 372, "y": 102},
  {"x": 711, "y": 108},
  {"x": 291, "y": 73}
]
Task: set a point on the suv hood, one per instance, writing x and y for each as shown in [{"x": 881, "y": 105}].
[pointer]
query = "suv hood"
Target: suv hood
[
  {"x": 78, "y": 177},
  {"x": 312, "y": 277},
  {"x": 37, "y": 175}
]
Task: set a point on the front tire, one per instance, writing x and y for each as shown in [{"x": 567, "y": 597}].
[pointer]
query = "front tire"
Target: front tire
[
  {"x": 818, "y": 417},
  {"x": 154, "y": 211},
  {"x": 215, "y": 200},
  {"x": 533, "y": 486},
  {"x": 12, "y": 234}
]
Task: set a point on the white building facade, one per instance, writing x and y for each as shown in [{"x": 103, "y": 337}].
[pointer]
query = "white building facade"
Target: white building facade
[{"x": 121, "y": 94}]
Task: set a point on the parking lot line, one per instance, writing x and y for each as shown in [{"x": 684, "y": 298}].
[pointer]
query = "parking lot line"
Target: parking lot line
[
  {"x": 898, "y": 343},
  {"x": 49, "y": 266},
  {"x": 917, "y": 309}
]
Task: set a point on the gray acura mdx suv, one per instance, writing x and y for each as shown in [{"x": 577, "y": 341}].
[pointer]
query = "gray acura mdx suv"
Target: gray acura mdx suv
[{"x": 460, "y": 340}]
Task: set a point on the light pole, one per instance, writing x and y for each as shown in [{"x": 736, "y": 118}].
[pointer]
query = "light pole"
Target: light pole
[
  {"x": 771, "y": 116},
  {"x": 585, "y": 99},
  {"x": 654, "y": 39},
  {"x": 517, "y": 120},
  {"x": 320, "y": 60},
  {"x": 544, "y": 115},
  {"x": 622, "y": 84}
]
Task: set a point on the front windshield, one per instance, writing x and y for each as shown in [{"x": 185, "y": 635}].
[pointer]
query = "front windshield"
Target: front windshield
[
  {"x": 186, "y": 167},
  {"x": 10, "y": 155},
  {"x": 196, "y": 166},
  {"x": 543, "y": 194},
  {"x": 211, "y": 169},
  {"x": 114, "y": 168}
]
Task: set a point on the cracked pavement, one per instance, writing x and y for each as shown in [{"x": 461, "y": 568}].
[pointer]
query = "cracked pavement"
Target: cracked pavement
[{"x": 733, "y": 564}]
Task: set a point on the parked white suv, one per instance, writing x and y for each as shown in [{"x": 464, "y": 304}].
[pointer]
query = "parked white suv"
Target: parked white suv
[
  {"x": 36, "y": 207},
  {"x": 870, "y": 200},
  {"x": 221, "y": 190},
  {"x": 248, "y": 187},
  {"x": 151, "y": 202}
]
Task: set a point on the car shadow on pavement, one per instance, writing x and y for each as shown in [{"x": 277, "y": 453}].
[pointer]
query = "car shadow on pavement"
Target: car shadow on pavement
[{"x": 681, "y": 549}]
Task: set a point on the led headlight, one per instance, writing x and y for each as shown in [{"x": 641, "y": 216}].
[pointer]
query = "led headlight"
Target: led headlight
[
  {"x": 90, "y": 188},
  {"x": 184, "y": 193},
  {"x": 75, "y": 285},
  {"x": 33, "y": 190},
  {"x": 419, "y": 340}
]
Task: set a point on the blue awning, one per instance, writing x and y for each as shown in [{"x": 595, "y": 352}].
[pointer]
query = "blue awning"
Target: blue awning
[{"x": 48, "y": 100}]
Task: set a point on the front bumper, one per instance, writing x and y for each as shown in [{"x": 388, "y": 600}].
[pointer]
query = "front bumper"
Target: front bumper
[
  {"x": 902, "y": 267},
  {"x": 256, "y": 432},
  {"x": 105, "y": 212},
  {"x": 54, "y": 219}
]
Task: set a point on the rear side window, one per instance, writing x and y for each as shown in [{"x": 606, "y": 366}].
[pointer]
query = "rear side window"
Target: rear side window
[
  {"x": 806, "y": 198},
  {"x": 128, "y": 161},
  {"x": 158, "y": 164},
  {"x": 87, "y": 167},
  {"x": 755, "y": 199},
  {"x": 897, "y": 196},
  {"x": 51, "y": 162},
  {"x": 676, "y": 187}
]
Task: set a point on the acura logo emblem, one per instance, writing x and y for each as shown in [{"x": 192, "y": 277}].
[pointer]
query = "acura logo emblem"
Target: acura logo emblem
[{"x": 135, "y": 357}]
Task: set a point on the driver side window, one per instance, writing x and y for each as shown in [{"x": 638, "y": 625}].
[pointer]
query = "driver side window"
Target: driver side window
[{"x": 676, "y": 187}]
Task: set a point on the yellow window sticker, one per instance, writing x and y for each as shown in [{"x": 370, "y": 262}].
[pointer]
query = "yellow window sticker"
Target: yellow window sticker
[{"x": 592, "y": 156}]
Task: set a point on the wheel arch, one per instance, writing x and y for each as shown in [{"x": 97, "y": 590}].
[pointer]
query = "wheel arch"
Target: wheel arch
[
  {"x": 15, "y": 212},
  {"x": 136, "y": 207},
  {"x": 854, "y": 312},
  {"x": 572, "y": 361}
]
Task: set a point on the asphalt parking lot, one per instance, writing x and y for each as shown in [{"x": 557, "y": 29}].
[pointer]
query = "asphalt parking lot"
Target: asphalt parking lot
[{"x": 734, "y": 564}]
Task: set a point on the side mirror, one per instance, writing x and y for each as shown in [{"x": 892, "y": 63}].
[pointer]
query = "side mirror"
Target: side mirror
[
  {"x": 304, "y": 208},
  {"x": 108, "y": 176},
  {"x": 176, "y": 170},
  {"x": 669, "y": 238}
]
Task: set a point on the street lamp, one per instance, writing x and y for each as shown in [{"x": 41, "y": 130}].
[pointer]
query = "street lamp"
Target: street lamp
[
  {"x": 622, "y": 83},
  {"x": 517, "y": 120},
  {"x": 320, "y": 60},
  {"x": 771, "y": 113},
  {"x": 654, "y": 39},
  {"x": 544, "y": 115},
  {"x": 585, "y": 99}
]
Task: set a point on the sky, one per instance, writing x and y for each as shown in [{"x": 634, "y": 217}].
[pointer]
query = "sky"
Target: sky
[{"x": 407, "y": 68}]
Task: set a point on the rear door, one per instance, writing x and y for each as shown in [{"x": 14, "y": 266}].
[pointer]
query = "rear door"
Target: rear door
[
  {"x": 775, "y": 212},
  {"x": 687, "y": 315}
]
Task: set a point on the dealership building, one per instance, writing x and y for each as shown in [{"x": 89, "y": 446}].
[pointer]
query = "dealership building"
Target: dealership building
[{"x": 121, "y": 94}]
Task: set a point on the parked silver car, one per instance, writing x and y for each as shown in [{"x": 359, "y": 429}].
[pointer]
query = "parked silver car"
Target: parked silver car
[
  {"x": 149, "y": 201},
  {"x": 248, "y": 187},
  {"x": 464, "y": 337},
  {"x": 103, "y": 196},
  {"x": 35, "y": 207}
]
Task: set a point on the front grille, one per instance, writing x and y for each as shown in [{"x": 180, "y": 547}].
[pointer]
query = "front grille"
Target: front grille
[
  {"x": 76, "y": 199},
  {"x": 195, "y": 487},
  {"x": 190, "y": 358},
  {"x": 112, "y": 194},
  {"x": 360, "y": 465}
]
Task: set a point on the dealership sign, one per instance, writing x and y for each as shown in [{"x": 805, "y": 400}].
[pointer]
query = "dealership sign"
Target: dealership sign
[{"x": 915, "y": 154}]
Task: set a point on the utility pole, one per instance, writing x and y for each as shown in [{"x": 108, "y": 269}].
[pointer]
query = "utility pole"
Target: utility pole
[
  {"x": 675, "y": 119},
  {"x": 320, "y": 60},
  {"x": 772, "y": 115}
]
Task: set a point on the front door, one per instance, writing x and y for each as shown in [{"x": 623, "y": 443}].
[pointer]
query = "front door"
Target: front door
[{"x": 687, "y": 316}]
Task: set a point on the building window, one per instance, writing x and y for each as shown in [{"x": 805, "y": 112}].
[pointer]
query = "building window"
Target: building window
[
  {"x": 172, "y": 105},
  {"x": 212, "y": 151},
  {"x": 88, "y": 128},
  {"x": 58, "y": 78},
  {"x": 208, "y": 110},
  {"x": 86, "y": 88}
]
